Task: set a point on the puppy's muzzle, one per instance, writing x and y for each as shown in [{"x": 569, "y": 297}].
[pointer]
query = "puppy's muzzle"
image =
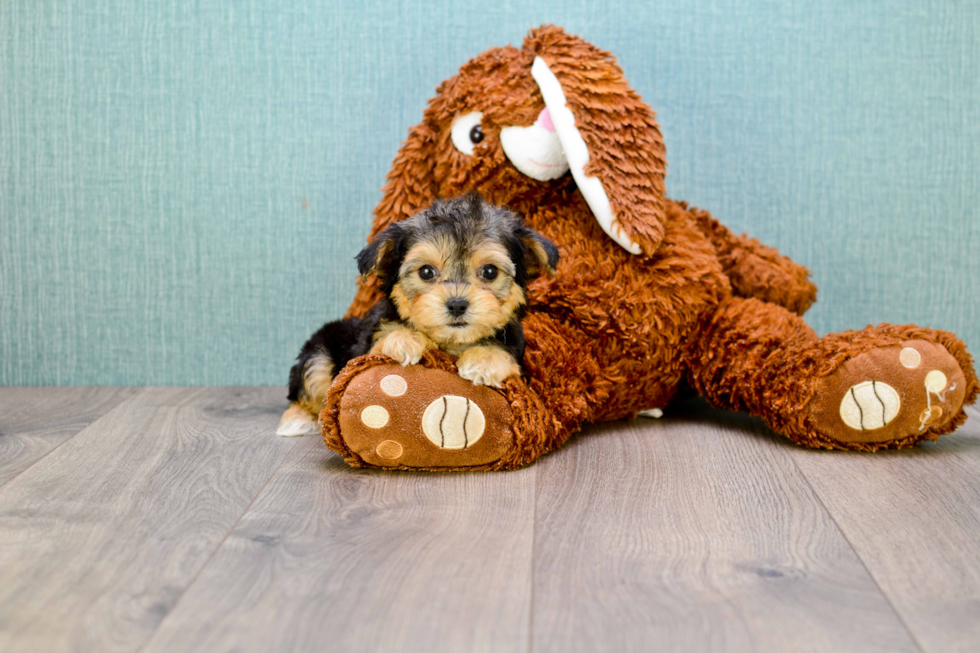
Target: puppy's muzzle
[{"x": 457, "y": 306}]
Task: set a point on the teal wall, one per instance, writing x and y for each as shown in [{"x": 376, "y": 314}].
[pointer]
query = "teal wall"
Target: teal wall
[{"x": 183, "y": 183}]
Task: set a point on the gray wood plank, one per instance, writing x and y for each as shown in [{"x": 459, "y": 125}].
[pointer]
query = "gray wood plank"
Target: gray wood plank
[
  {"x": 99, "y": 538},
  {"x": 34, "y": 421},
  {"x": 695, "y": 533},
  {"x": 913, "y": 516},
  {"x": 332, "y": 558}
]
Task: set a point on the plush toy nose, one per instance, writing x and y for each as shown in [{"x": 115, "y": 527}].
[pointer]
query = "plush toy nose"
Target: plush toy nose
[
  {"x": 544, "y": 120},
  {"x": 457, "y": 306},
  {"x": 535, "y": 150}
]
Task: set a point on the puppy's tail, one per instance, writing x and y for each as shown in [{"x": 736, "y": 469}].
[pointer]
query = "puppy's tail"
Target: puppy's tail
[{"x": 309, "y": 381}]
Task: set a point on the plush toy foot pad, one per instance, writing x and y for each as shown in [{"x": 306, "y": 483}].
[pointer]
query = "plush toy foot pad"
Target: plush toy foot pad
[
  {"x": 416, "y": 417},
  {"x": 890, "y": 393}
]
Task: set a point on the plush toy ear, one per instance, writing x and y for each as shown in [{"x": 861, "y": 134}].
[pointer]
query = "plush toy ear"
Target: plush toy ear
[
  {"x": 610, "y": 136},
  {"x": 540, "y": 254}
]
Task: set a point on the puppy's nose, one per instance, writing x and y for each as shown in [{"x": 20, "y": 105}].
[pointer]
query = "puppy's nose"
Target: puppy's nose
[{"x": 457, "y": 306}]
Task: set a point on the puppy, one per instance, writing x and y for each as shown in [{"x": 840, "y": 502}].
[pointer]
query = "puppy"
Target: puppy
[{"x": 455, "y": 278}]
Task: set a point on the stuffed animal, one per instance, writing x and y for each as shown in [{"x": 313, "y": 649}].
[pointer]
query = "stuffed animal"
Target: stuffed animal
[{"x": 651, "y": 295}]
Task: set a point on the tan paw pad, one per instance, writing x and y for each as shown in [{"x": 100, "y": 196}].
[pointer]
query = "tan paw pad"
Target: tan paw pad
[
  {"x": 389, "y": 450},
  {"x": 869, "y": 405},
  {"x": 452, "y": 422},
  {"x": 910, "y": 358},
  {"x": 394, "y": 385},
  {"x": 374, "y": 417},
  {"x": 936, "y": 381}
]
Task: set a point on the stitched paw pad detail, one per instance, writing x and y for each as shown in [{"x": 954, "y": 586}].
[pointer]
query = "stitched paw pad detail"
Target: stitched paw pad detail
[
  {"x": 416, "y": 417},
  {"x": 890, "y": 393},
  {"x": 870, "y": 405},
  {"x": 452, "y": 422}
]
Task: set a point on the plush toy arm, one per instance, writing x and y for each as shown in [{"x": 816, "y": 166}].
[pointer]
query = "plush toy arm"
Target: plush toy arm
[{"x": 756, "y": 270}]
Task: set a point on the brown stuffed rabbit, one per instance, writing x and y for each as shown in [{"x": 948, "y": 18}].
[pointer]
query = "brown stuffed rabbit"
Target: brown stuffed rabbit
[{"x": 650, "y": 294}]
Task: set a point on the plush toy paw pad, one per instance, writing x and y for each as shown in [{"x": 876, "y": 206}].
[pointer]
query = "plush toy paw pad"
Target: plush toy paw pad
[
  {"x": 374, "y": 417},
  {"x": 870, "y": 405},
  {"x": 393, "y": 385},
  {"x": 889, "y": 393},
  {"x": 417, "y": 417},
  {"x": 389, "y": 450},
  {"x": 452, "y": 422}
]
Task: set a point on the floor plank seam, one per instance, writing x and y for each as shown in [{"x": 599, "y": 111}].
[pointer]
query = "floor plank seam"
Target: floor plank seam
[
  {"x": 71, "y": 437},
  {"x": 220, "y": 544},
  {"x": 534, "y": 557},
  {"x": 888, "y": 599}
]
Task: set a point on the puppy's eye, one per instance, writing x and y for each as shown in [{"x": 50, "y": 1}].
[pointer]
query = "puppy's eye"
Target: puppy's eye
[
  {"x": 427, "y": 273},
  {"x": 489, "y": 272},
  {"x": 467, "y": 131}
]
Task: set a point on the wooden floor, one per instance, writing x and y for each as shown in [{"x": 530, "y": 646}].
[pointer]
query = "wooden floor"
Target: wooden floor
[{"x": 171, "y": 519}]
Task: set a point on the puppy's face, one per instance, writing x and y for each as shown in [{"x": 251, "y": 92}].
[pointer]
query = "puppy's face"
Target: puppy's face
[
  {"x": 457, "y": 291},
  {"x": 458, "y": 271}
]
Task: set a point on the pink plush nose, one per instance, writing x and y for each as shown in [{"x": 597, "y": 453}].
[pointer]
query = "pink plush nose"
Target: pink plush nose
[{"x": 544, "y": 119}]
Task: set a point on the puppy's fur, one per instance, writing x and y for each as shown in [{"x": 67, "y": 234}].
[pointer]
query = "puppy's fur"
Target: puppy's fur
[{"x": 454, "y": 277}]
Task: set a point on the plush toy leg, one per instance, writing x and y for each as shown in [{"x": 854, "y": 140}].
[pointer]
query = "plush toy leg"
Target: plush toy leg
[
  {"x": 885, "y": 386},
  {"x": 426, "y": 417},
  {"x": 756, "y": 270}
]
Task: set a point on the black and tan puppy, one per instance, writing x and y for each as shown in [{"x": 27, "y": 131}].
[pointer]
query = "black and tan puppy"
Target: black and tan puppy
[{"x": 454, "y": 278}]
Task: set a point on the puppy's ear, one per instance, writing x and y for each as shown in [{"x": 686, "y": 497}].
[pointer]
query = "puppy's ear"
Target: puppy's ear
[
  {"x": 383, "y": 255},
  {"x": 540, "y": 254}
]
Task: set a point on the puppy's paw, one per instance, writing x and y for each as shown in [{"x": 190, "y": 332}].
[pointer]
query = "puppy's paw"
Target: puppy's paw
[
  {"x": 487, "y": 366},
  {"x": 297, "y": 421},
  {"x": 403, "y": 345}
]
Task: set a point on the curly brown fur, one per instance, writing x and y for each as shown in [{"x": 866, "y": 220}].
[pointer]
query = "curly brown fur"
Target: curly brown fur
[
  {"x": 757, "y": 270},
  {"x": 616, "y": 333}
]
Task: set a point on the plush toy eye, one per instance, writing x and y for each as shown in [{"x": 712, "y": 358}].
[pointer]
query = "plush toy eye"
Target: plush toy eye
[
  {"x": 467, "y": 131},
  {"x": 489, "y": 272},
  {"x": 427, "y": 272}
]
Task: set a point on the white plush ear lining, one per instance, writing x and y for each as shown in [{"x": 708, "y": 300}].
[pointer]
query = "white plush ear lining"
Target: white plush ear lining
[{"x": 577, "y": 153}]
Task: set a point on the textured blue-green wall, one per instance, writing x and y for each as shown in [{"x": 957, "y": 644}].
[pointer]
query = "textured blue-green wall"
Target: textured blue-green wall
[{"x": 183, "y": 184}]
